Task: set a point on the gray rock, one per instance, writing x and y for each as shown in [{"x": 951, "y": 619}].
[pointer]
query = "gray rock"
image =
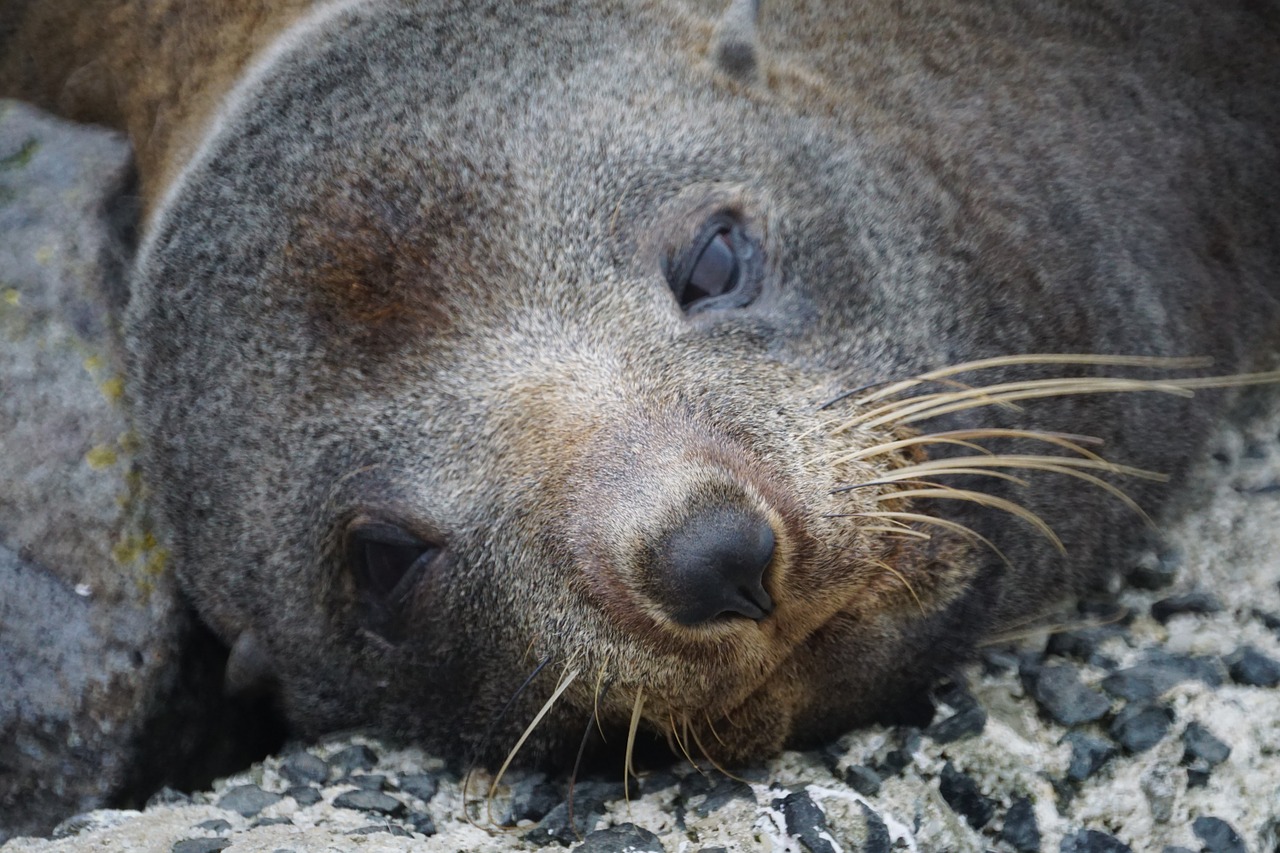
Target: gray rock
[
  {"x": 1020, "y": 830},
  {"x": 370, "y": 801},
  {"x": 807, "y": 822},
  {"x": 1249, "y": 666},
  {"x": 302, "y": 768},
  {"x": 1058, "y": 691},
  {"x": 1092, "y": 841},
  {"x": 92, "y": 626},
  {"x": 1218, "y": 835},
  {"x": 201, "y": 845},
  {"x": 623, "y": 838},
  {"x": 1088, "y": 754},
  {"x": 1139, "y": 727},
  {"x": 247, "y": 800}
]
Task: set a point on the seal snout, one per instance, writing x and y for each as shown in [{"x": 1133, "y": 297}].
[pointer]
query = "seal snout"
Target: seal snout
[{"x": 714, "y": 565}]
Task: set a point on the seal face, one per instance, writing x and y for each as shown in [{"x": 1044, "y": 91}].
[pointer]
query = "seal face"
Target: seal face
[{"x": 513, "y": 364}]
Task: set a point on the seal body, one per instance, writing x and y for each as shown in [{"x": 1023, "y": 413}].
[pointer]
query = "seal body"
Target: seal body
[{"x": 449, "y": 423}]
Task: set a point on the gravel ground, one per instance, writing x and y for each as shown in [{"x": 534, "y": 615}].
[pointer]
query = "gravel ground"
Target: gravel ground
[{"x": 1148, "y": 721}]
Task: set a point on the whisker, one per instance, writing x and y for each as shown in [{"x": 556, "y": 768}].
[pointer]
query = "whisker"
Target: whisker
[
  {"x": 565, "y": 680},
  {"x": 946, "y": 523},
  {"x": 905, "y": 475},
  {"x": 892, "y": 531},
  {"x": 596, "y": 701},
  {"x": 897, "y": 574},
  {"x": 982, "y": 499},
  {"x": 487, "y": 737},
  {"x": 707, "y": 755},
  {"x": 1064, "y": 440},
  {"x": 682, "y": 742},
  {"x": 926, "y": 406},
  {"x": 711, "y": 726},
  {"x": 627, "y": 770},
  {"x": 1067, "y": 359},
  {"x": 582, "y": 746}
]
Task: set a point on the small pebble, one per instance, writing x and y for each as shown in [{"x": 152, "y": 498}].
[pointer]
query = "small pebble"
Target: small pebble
[
  {"x": 1139, "y": 727},
  {"x": 1271, "y": 620},
  {"x": 353, "y": 758},
  {"x": 215, "y": 825},
  {"x": 421, "y": 785},
  {"x": 1157, "y": 673},
  {"x": 1251, "y": 667},
  {"x": 963, "y": 724},
  {"x": 368, "y": 781},
  {"x": 807, "y": 822},
  {"x": 201, "y": 845},
  {"x": 167, "y": 796},
  {"x": 1160, "y": 787},
  {"x": 271, "y": 821},
  {"x": 389, "y": 828},
  {"x": 247, "y": 800},
  {"x": 555, "y": 825},
  {"x": 1218, "y": 835},
  {"x": 303, "y": 768},
  {"x": 1057, "y": 689},
  {"x": 304, "y": 795},
  {"x": 878, "y": 839},
  {"x": 862, "y": 779},
  {"x": 1088, "y": 754},
  {"x": 1020, "y": 830},
  {"x": 421, "y": 823},
  {"x": 1202, "y": 745},
  {"x": 965, "y": 798},
  {"x": 1092, "y": 841},
  {"x": 370, "y": 801},
  {"x": 1199, "y": 603},
  {"x": 1152, "y": 571},
  {"x": 623, "y": 836},
  {"x": 724, "y": 791},
  {"x": 1197, "y": 777}
]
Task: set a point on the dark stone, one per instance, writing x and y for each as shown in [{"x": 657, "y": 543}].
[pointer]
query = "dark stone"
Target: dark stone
[
  {"x": 862, "y": 779},
  {"x": 1081, "y": 643},
  {"x": 555, "y": 826},
  {"x": 1020, "y": 830},
  {"x": 422, "y": 823},
  {"x": 1271, "y": 620},
  {"x": 807, "y": 822},
  {"x": 421, "y": 785},
  {"x": 1199, "y": 603},
  {"x": 1172, "y": 849},
  {"x": 624, "y": 836},
  {"x": 658, "y": 780},
  {"x": 1249, "y": 666},
  {"x": 1057, "y": 689},
  {"x": 351, "y": 759},
  {"x": 998, "y": 661},
  {"x": 964, "y": 797},
  {"x": 370, "y": 801},
  {"x": 1152, "y": 571},
  {"x": 1104, "y": 610},
  {"x": 1197, "y": 777},
  {"x": 368, "y": 781},
  {"x": 271, "y": 821},
  {"x": 896, "y": 760},
  {"x": 592, "y": 794},
  {"x": 215, "y": 825},
  {"x": 1218, "y": 835},
  {"x": 878, "y": 839},
  {"x": 713, "y": 850},
  {"x": 724, "y": 791},
  {"x": 247, "y": 800},
  {"x": 1139, "y": 726},
  {"x": 1088, "y": 754},
  {"x": 1092, "y": 841},
  {"x": 303, "y": 768},
  {"x": 962, "y": 724},
  {"x": 304, "y": 795},
  {"x": 1158, "y": 672},
  {"x": 201, "y": 845},
  {"x": 532, "y": 798},
  {"x": 1201, "y": 745},
  {"x": 166, "y": 796}
]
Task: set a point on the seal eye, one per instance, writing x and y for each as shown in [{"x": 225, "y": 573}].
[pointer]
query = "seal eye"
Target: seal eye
[
  {"x": 387, "y": 560},
  {"x": 716, "y": 270}
]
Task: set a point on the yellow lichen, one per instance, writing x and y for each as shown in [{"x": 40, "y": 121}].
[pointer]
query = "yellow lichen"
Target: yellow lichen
[{"x": 101, "y": 457}]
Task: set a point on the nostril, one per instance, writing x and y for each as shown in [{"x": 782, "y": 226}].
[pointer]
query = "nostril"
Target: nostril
[{"x": 713, "y": 565}]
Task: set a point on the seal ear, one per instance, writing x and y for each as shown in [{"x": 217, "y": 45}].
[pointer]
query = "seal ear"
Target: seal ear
[{"x": 734, "y": 44}]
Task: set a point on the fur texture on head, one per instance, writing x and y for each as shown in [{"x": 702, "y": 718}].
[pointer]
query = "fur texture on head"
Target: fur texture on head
[{"x": 417, "y": 283}]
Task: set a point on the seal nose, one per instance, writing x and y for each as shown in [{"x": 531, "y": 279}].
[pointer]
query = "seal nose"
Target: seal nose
[{"x": 714, "y": 564}]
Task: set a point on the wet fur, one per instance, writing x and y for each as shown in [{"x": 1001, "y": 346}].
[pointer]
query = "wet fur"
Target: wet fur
[{"x": 414, "y": 270}]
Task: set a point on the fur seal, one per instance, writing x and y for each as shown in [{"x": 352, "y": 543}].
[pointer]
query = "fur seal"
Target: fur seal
[{"x": 508, "y": 369}]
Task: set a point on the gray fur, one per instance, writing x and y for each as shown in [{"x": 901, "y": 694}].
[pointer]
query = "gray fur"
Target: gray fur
[{"x": 930, "y": 183}]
